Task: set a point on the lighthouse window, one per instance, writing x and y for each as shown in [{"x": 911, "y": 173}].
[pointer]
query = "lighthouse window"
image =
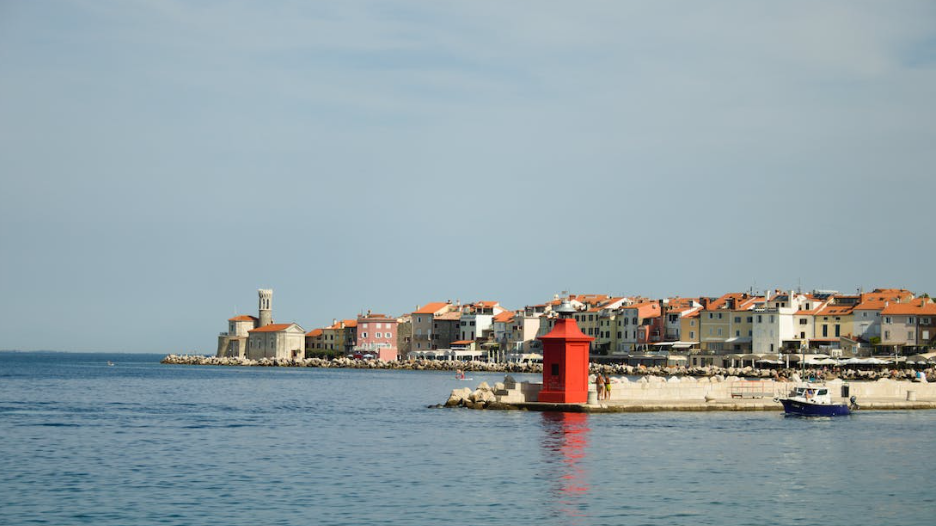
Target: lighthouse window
[{"x": 555, "y": 369}]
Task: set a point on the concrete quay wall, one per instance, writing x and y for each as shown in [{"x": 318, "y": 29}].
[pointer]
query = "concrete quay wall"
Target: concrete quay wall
[{"x": 700, "y": 389}]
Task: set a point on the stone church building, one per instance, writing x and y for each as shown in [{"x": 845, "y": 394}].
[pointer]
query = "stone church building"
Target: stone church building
[{"x": 255, "y": 338}]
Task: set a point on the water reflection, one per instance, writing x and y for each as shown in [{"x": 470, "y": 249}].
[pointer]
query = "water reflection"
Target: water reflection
[{"x": 564, "y": 446}]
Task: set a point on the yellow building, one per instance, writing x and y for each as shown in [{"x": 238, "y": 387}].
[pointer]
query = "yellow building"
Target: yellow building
[
  {"x": 834, "y": 321},
  {"x": 727, "y": 323},
  {"x": 689, "y": 327},
  {"x": 340, "y": 336}
]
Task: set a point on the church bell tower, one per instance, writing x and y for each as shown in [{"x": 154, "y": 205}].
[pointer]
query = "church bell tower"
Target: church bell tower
[{"x": 266, "y": 307}]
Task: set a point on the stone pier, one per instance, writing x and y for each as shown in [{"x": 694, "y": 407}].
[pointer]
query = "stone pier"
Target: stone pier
[{"x": 702, "y": 394}]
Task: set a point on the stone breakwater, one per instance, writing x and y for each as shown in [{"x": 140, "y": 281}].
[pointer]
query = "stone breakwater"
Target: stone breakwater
[
  {"x": 608, "y": 369},
  {"x": 350, "y": 363}
]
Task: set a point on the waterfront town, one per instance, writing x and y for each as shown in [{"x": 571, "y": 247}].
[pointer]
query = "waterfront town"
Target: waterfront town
[{"x": 757, "y": 329}]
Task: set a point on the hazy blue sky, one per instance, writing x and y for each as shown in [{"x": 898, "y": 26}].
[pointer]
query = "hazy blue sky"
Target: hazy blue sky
[{"x": 162, "y": 160}]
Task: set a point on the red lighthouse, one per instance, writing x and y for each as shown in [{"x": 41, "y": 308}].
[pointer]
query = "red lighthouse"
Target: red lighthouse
[{"x": 565, "y": 361}]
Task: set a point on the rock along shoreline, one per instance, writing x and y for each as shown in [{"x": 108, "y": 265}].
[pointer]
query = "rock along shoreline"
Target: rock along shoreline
[{"x": 613, "y": 369}]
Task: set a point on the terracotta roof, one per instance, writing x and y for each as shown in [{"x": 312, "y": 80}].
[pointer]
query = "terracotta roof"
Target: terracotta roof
[
  {"x": 681, "y": 303},
  {"x": 742, "y": 301},
  {"x": 431, "y": 308},
  {"x": 611, "y": 301},
  {"x": 449, "y": 316},
  {"x": 917, "y": 307},
  {"x": 485, "y": 304},
  {"x": 836, "y": 310},
  {"x": 314, "y": 333},
  {"x": 350, "y": 324},
  {"x": 871, "y": 304},
  {"x": 505, "y": 316},
  {"x": 678, "y": 310},
  {"x": 243, "y": 317},
  {"x": 591, "y": 298},
  {"x": 810, "y": 312},
  {"x": 647, "y": 309},
  {"x": 875, "y": 300},
  {"x": 273, "y": 327}
]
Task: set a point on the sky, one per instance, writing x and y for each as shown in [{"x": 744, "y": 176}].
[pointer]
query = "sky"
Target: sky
[{"x": 161, "y": 160}]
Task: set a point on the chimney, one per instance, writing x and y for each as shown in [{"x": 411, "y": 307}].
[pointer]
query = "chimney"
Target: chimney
[{"x": 704, "y": 302}]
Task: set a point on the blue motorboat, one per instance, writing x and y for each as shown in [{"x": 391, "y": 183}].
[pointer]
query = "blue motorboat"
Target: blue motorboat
[{"x": 814, "y": 400}]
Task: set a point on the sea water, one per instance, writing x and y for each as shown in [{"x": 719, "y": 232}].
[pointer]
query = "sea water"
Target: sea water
[{"x": 140, "y": 443}]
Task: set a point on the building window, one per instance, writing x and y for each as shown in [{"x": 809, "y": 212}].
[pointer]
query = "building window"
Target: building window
[
  {"x": 887, "y": 319},
  {"x": 910, "y": 335},
  {"x": 691, "y": 335},
  {"x": 719, "y": 331},
  {"x": 910, "y": 320},
  {"x": 802, "y": 321},
  {"x": 737, "y": 319},
  {"x": 760, "y": 319},
  {"x": 364, "y": 335}
]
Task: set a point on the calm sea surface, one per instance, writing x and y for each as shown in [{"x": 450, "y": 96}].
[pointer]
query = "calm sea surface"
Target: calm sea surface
[{"x": 140, "y": 443}]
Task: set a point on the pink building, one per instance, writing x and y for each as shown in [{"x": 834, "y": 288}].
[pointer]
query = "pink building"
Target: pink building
[{"x": 377, "y": 335}]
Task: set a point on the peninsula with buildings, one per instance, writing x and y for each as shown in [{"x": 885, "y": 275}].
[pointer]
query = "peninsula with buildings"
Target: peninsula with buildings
[{"x": 738, "y": 329}]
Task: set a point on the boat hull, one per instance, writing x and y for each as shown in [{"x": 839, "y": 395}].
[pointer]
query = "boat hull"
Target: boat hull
[{"x": 796, "y": 407}]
